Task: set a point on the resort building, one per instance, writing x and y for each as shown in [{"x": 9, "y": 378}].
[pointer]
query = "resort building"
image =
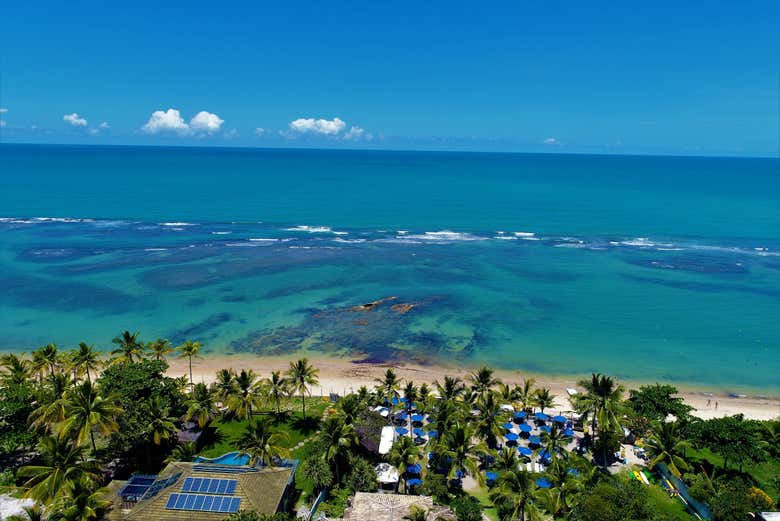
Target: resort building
[{"x": 203, "y": 491}]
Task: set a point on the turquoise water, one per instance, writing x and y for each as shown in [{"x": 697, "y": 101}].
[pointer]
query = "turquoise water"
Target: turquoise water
[{"x": 648, "y": 268}]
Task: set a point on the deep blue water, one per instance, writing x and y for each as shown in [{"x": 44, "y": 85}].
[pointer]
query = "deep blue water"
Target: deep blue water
[{"x": 651, "y": 268}]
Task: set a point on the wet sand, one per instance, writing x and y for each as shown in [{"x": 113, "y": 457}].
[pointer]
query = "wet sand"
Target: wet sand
[{"x": 342, "y": 375}]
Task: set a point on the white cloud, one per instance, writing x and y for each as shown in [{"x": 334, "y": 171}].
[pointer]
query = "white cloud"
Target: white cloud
[
  {"x": 75, "y": 120},
  {"x": 259, "y": 132},
  {"x": 551, "y": 141},
  {"x": 167, "y": 121},
  {"x": 232, "y": 134},
  {"x": 3, "y": 110},
  {"x": 357, "y": 134},
  {"x": 328, "y": 127},
  {"x": 104, "y": 125},
  {"x": 206, "y": 122}
]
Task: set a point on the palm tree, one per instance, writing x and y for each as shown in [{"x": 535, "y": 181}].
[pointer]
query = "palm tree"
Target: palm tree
[
  {"x": 160, "y": 348},
  {"x": 507, "y": 459},
  {"x": 515, "y": 496},
  {"x": 247, "y": 394},
  {"x": 85, "y": 359},
  {"x": 16, "y": 370},
  {"x": 33, "y": 513},
  {"x": 411, "y": 394},
  {"x": 82, "y": 504},
  {"x": 336, "y": 439},
  {"x": 161, "y": 424},
  {"x": 403, "y": 455},
  {"x": 488, "y": 424},
  {"x": 301, "y": 376},
  {"x": 553, "y": 441},
  {"x": 603, "y": 402},
  {"x": 261, "y": 444},
  {"x": 45, "y": 360},
  {"x": 63, "y": 466},
  {"x": 526, "y": 394},
  {"x": 559, "y": 499},
  {"x": 183, "y": 452},
  {"x": 507, "y": 393},
  {"x": 483, "y": 381},
  {"x": 416, "y": 513},
  {"x": 387, "y": 386},
  {"x": 200, "y": 405},
  {"x": 544, "y": 398},
  {"x": 423, "y": 398},
  {"x": 276, "y": 387},
  {"x": 189, "y": 349},
  {"x": 458, "y": 445},
  {"x": 451, "y": 389},
  {"x": 129, "y": 348},
  {"x": 52, "y": 403},
  {"x": 666, "y": 445},
  {"x": 224, "y": 384},
  {"x": 85, "y": 411}
]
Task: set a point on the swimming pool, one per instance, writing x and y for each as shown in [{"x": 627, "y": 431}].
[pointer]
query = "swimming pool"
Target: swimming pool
[{"x": 231, "y": 458}]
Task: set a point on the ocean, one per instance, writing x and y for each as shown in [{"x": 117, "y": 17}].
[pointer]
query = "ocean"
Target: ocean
[{"x": 647, "y": 268}]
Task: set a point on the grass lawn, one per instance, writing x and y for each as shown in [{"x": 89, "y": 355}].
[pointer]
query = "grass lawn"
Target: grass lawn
[
  {"x": 482, "y": 495},
  {"x": 668, "y": 507},
  {"x": 227, "y": 432},
  {"x": 764, "y": 473}
]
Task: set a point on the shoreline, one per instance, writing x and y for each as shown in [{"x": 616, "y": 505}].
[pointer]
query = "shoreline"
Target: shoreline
[{"x": 341, "y": 375}]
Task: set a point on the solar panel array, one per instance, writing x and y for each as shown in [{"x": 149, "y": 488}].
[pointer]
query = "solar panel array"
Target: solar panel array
[
  {"x": 160, "y": 484},
  {"x": 203, "y": 503},
  {"x": 136, "y": 487},
  {"x": 209, "y": 486}
]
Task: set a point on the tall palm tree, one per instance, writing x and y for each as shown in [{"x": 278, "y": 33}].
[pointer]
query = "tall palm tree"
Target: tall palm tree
[
  {"x": 33, "y": 513},
  {"x": 301, "y": 376},
  {"x": 553, "y": 442},
  {"x": 247, "y": 394},
  {"x": 507, "y": 459},
  {"x": 277, "y": 387},
  {"x": 403, "y": 455},
  {"x": 603, "y": 402},
  {"x": 336, "y": 439},
  {"x": 160, "y": 348},
  {"x": 129, "y": 348},
  {"x": 666, "y": 445},
  {"x": 507, "y": 393},
  {"x": 458, "y": 445},
  {"x": 63, "y": 466},
  {"x": 488, "y": 424},
  {"x": 15, "y": 370},
  {"x": 515, "y": 496},
  {"x": 424, "y": 398},
  {"x": 411, "y": 394},
  {"x": 161, "y": 423},
  {"x": 85, "y": 360},
  {"x": 544, "y": 398},
  {"x": 189, "y": 350},
  {"x": 387, "y": 386},
  {"x": 483, "y": 381},
  {"x": 261, "y": 444},
  {"x": 224, "y": 385},
  {"x": 526, "y": 394},
  {"x": 566, "y": 488},
  {"x": 200, "y": 405},
  {"x": 86, "y": 410},
  {"x": 451, "y": 388},
  {"x": 51, "y": 410},
  {"x": 46, "y": 360},
  {"x": 84, "y": 503}
]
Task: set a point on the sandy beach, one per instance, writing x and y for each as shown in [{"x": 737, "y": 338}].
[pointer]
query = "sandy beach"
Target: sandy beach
[{"x": 342, "y": 375}]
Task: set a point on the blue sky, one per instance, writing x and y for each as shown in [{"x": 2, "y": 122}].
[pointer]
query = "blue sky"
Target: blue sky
[{"x": 604, "y": 77}]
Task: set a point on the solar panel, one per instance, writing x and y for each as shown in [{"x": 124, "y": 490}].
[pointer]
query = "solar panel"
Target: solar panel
[
  {"x": 209, "y": 486},
  {"x": 203, "y": 503}
]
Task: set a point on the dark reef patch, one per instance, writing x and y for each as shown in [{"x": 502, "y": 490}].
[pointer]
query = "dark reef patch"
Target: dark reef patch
[
  {"x": 705, "y": 287},
  {"x": 202, "y": 330}
]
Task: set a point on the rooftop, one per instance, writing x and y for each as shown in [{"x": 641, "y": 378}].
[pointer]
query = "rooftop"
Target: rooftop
[{"x": 389, "y": 507}]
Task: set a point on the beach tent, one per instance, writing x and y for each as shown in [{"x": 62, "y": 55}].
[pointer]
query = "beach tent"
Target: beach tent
[
  {"x": 386, "y": 439},
  {"x": 526, "y": 428}
]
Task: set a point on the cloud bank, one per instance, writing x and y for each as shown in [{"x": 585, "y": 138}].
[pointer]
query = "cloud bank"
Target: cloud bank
[
  {"x": 171, "y": 122},
  {"x": 74, "y": 120}
]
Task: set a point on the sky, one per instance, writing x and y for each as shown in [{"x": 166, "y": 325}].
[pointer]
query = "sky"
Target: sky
[{"x": 661, "y": 77}]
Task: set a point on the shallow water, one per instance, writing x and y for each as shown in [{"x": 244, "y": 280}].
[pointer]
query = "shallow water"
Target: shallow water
[{"x": 647, "y": 268}]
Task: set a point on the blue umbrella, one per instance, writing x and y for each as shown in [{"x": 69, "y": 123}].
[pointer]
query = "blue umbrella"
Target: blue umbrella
[
  {"x": 546, "y": 429},
  {"x": 568, "y": 432},
  {"x": 491, "y": 476},
  {"x": 459, "y": 474},
  {"x": 403, "y": 400},
  {"x": 520, "y": 415},
  {"x": 401, "y": 416},
  {"x": 394, "y": 401},
  {"x": 418, "y": 432},
  {"x": 417, "y": 418},
  {"x": 509, "y": 426},
  {"x": 402, "y": 431},
  {"x": 545, "y": 455},
  {"x": 541, "y": 416},
  {"x": 414, "y": 482},
  {"x": 543, "y": 483},
  {"x": 511, "y": 436},
  {"x": 535, "y": 440},
  {"x": 432, "y": 434},
  {"x": 559, "y": 419},
  {"x": 414, "y": 469},
  {"x": 524, "y": 451},
  {"x": 525, "y": 427}
]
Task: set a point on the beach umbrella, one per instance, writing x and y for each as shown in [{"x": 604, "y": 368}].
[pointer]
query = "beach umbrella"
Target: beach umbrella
[
  {"x": 402, "y": 431},
  {"x": 432, "y": 434},
  {"x": 541, "y": 416},
  {"x": 520, "y": 415},
  {"x": 403, "y": 400},
  {"x": 414, "y": 469},
  {"x": 401, "y": 416},
  {"x": 545, "y": 454},
  {"x": 430, "y": 455},
  {"x": 511, "y": 436},
  {"x": 559, "y": 419},
  {"x": 535, "y": 440},
  {"x": 568, "y": 432},
  {"x": 414, "y": 482},
  {"x": 459, "y": 474},
  {"x": 418, "y": 418},
  {"x": 394, "y": 401},
  {"x": 543, "y": 483},
  {"x": 526, "y": 428},
  {"x": 524, "y": 451},
  {"x": 546, "y": 429},
  {"x": 418, "y": 432},
  {"x": 509, "y": 426},
  {"x": 491, "y": 476}
]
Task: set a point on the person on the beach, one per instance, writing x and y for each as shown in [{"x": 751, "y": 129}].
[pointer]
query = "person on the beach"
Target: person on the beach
[
  {"x": 709, "y": 402},
  {"x": 716, "y": 406}
]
